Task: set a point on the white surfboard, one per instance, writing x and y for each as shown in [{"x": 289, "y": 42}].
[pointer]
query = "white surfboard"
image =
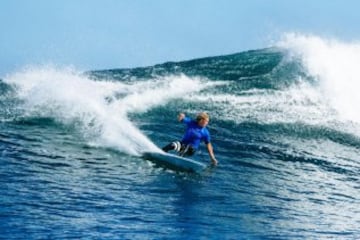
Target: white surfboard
[{"x": 175, "y": 162}]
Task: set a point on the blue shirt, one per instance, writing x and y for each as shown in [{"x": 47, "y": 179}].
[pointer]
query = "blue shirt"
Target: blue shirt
[{"x": 194, "y": 133}]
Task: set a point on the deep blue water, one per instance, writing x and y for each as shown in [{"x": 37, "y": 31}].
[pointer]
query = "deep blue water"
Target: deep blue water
[{"x": 71, "y": 145}]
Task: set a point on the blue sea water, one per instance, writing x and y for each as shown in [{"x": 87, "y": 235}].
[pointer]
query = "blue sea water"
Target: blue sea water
[{"x": 285, "y": 129}]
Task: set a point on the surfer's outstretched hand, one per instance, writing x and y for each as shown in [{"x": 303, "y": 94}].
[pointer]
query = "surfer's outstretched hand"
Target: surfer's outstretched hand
[
  {"x": 181, "y": 116},
  {"x": 214, "y": 162}
]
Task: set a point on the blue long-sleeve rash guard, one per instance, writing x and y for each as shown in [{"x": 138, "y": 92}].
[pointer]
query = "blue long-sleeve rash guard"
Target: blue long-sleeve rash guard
[{"x": 194, "y": 133}]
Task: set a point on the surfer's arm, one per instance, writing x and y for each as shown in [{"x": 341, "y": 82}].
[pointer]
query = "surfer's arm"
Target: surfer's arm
[
  {"x": 183, "y": 118},
  {"x": 211, "y": 153}
]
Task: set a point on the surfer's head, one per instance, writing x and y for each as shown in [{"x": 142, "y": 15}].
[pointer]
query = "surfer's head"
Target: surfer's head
[{"x": 202, "y": 119}]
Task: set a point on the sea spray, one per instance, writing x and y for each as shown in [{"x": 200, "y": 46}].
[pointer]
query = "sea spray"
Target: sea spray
[
  {"x": 335, "y": 65},
  {"x": 99, "y": 108}
]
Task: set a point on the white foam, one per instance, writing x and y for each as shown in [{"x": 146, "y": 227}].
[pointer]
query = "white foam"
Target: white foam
[
  {"x": 99, "y": 109},
  {"x": 298, "y": 103},
  {"x": 329, "y": 102},
  {"x": 335, "y": 64}
]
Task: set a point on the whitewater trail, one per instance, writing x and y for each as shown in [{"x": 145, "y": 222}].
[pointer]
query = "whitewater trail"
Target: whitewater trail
[{"x": 100, "y": 108}]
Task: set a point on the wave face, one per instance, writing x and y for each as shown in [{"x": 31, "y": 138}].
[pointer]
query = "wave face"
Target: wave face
[{"x": 284, "y": 124}]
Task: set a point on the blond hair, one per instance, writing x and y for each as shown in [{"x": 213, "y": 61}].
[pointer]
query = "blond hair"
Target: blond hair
[{"x": 202, "y": 115}]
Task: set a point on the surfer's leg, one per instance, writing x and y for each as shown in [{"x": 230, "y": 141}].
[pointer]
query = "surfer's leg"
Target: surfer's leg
[
  {"x": 172, "y": 146},
  {"x": 190, "y": 151},
  {"x": 186, "y": 150}
]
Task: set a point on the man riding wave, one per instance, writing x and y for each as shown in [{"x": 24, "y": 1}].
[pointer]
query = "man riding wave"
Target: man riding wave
[{"x": 196, "y": 131}]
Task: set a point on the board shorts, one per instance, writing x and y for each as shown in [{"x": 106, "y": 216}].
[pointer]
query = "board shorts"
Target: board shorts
[{"x": 181, "y": 148}]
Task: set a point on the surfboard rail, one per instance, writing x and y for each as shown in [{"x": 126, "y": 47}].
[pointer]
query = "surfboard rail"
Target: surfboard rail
[{"x": 175, "y": 162}]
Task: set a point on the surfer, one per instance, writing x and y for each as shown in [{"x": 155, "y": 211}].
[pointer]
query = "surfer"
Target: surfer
[{"x": 196, "y": 132}]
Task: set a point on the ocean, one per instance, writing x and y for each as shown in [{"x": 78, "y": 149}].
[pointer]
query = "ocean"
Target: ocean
[{"x": 283, "y": 122}]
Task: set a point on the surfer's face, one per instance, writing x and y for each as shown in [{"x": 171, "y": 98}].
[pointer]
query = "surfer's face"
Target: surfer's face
[{"x": 203, "y": 122}]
